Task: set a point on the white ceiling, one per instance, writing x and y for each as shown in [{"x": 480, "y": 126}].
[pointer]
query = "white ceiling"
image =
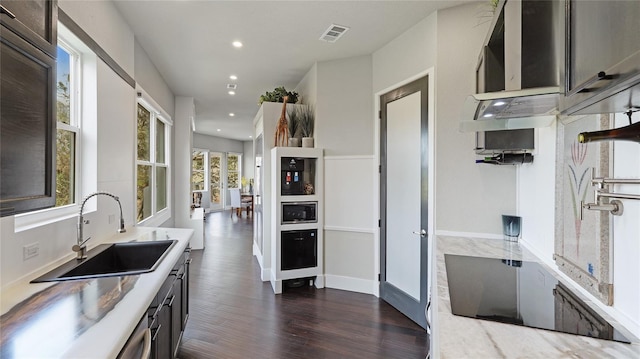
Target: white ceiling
[{"x": 189, "y": 41}]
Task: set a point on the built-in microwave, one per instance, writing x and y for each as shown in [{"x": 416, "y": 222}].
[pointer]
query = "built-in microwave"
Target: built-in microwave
[{"x": 299, "y": 212}]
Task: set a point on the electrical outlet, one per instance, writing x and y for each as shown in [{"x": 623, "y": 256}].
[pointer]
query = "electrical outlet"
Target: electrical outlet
[
  {"x": 112, "y": 218},
  {"x": 30, "y": 250}
]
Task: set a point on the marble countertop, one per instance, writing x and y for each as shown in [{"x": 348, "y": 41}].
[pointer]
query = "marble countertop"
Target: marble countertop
[
  {"x": 90, "y": 318},
  {"x": 461, "y": 337}
]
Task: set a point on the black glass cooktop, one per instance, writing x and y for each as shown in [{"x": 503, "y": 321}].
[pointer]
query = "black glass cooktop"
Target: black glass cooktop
[{"x": 522, "y": 293}]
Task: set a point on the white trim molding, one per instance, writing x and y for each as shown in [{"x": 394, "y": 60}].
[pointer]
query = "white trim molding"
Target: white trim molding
[
  {"x": 351, "y": 284},
  {"x": 469, "y": 234},
  {"x": 350, "y": 229}
]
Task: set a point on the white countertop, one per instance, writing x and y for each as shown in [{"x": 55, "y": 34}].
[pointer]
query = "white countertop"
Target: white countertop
[
  {"x": 461, "y": 337},
  {"x": 44, "y": 329}
]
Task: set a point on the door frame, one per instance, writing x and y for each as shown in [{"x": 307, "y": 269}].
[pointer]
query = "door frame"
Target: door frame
[{"x": 431, "y": 175}]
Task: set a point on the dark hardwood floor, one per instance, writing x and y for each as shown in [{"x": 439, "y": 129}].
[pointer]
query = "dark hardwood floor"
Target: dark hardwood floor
[{"x": 233, "y": 314}]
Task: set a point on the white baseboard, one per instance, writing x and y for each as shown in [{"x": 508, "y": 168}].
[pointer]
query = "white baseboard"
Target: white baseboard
[
  {"x": 351, "y": 284},
  {"x": 264, "y": 272},
  {"x": 468, "y": 234}
]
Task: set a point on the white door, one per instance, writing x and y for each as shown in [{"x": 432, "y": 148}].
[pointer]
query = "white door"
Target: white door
[{"x": 403, "y": 183}]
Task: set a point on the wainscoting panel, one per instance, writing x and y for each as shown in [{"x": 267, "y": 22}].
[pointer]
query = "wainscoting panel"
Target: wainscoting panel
[{"x": 349, "y": 205}]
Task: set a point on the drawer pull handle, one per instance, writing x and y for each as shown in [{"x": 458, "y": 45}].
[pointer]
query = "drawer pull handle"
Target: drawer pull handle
[
  {"x": 4, "y": 10},
  {"x": 171, "y": 301},
  {"x": 585, "y": 86},
  {"x": 155, "y": 335}
]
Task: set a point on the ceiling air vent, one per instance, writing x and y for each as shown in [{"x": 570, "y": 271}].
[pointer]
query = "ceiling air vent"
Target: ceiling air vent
[
  {"x": 232, "y": 86},
  {"x": 333, "y": 33}
]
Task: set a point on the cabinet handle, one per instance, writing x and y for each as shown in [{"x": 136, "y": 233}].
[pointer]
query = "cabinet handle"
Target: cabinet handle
[
  {"x": 4, "y": 10},
  {"x": 146, "y": 345},
  {"x": 171, "y": 301},
  {"x": 155, "y": 335},
  {"x": 585, "y": 86}
]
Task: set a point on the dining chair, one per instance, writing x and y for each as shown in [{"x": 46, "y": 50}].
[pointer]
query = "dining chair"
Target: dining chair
[{"x": 236, "y": 203}]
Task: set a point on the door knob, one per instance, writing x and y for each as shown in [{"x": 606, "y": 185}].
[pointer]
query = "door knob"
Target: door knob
[{"x": 422, "y": 233}]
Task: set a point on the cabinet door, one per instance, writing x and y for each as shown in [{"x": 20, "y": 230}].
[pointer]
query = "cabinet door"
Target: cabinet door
[
  {"x": 161, "y": 333},
  {"x": 176, "y": 315},
  {"x": 35, "y": 21},
  {"x": 27, "y": 126},
  {"x": 602, "y": 54},
  {"x": 185, "y": 290}
]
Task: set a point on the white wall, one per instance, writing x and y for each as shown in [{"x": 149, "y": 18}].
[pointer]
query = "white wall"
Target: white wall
[
  {"x": 185, "y": 112},
  {"x": 217, "y": 144},
  {"x": 152, "y": 82},
  {"x": 102, "y": 21},
  {"x": 307, "y": 88},
  {"x": 341, "y": 91},
  {"x": 626, "y": 233},
  {"x": 470, "y": 197},
  {"x": 248, "y": 160},
  {"x": 344, "y": 107},
  {"x": 409, "y": 54},
  {"x": 536, "y": 194}
]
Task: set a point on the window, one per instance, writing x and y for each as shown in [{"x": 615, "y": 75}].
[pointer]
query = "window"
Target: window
[
  {"x": 152, "y": 167},
  {"x": 198, "y": 166},
  {"x": 68, "y": 124},
  {"x": 233, "y": 170},
  {"x": 76, "y": 123}
]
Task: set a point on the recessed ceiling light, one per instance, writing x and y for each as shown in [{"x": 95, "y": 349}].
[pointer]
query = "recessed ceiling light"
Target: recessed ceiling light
[
  {"x": 233, "y": 77},
  {"x": 237, "y": 44},
  {"x": 231, "y": 114},
  {"x": 250, "y": 136},
  {"x": 500, "y": 103},
  {"x": 488, "y": 115},
  {"x": 232, "y": 93},
  {"x": 218, "y": 130}
]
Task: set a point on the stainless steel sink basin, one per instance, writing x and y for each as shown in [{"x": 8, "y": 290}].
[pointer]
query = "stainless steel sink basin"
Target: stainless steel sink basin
[{"x": 109, "y": 260}]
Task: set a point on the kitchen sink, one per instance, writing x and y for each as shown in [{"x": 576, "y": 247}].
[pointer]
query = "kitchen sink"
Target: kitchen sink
[{"x": 110, "y": 260}]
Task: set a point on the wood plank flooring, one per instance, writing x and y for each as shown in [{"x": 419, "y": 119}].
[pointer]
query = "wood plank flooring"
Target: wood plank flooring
[{"x": 233, "y": 314}]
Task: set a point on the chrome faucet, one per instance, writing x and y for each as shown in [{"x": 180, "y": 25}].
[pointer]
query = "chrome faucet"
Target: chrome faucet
[{"x": 81, "y": 247}]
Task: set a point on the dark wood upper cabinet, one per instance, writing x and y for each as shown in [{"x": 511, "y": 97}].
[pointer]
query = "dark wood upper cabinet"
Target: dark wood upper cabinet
[
  {"x": 33, "y": 20},
  {"x": 27, "y": 107}
]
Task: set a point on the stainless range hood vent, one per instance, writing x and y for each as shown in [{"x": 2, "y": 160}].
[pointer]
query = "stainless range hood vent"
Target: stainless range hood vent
[{"x": 510, "y": 110}]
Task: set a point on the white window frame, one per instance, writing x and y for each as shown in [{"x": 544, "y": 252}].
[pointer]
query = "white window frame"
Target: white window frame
[
  {"x": 156, "y": 218},
  {"x": 83, "y": 111}
]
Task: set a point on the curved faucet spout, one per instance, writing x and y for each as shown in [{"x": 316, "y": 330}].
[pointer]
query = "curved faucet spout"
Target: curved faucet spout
[{"x": 80, "y": 247}]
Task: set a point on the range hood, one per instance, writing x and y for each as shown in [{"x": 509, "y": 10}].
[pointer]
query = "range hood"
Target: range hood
[
  {"x": 517, "y": 77},
  {"x": 510, "y": 110}
]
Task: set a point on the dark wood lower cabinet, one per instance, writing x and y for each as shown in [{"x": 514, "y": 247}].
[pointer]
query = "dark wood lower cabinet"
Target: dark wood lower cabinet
[{"x": 169, "y": 311}]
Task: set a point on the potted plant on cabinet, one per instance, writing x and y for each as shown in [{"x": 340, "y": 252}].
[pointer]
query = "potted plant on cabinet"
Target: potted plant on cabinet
[
  {"x": 277, "y": 95},
  {"x": 294, "y": 126},
  {"x": 307, "y": 123}
]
